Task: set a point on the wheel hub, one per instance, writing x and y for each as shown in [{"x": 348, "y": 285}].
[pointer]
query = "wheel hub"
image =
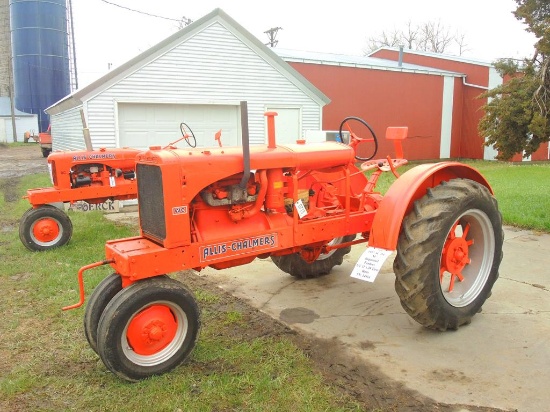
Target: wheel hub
[
  {"x": 45, "y": 230},
  {"x": 455, "y": 255},
  {"x": 152, "y": 330}
]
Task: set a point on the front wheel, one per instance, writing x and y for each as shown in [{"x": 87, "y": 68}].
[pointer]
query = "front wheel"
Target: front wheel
[
  {"x": 448, "y": 254},
  {"x": 44, "y": 228},
  {"x": 294, "y": 265},
  {"x": 104, "y": 292},
  {"x": 148, "y": 328}
]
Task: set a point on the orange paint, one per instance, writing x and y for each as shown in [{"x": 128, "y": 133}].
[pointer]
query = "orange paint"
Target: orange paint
[{"x": 194, "y": 212}]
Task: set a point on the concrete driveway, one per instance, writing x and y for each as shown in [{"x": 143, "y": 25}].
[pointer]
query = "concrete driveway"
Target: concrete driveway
[{"x": 501, "y": 360}]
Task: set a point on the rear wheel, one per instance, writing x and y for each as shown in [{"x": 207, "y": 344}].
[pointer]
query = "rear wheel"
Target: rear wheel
[
  {"x": 44, "y": 228},
  {"x": 104, "y": 292},
  {"x": 296, "y": 266},
  {"x": 148, "y": 328},
  {"x": 448, "y": 254}
]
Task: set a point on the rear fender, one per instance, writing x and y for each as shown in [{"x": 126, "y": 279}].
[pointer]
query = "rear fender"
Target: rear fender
[{"x": 411, "y": 186}]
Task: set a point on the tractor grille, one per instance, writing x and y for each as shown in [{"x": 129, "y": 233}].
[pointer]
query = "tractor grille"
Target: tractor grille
[{"x": 151, "y": 201}]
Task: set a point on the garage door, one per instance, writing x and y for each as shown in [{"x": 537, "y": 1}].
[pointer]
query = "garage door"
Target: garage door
[{"x": 142, "y": 125}]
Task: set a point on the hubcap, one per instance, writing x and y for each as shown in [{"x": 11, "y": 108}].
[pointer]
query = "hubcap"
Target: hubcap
[
  {"x": 46, "y": 231},
  {"x": 155, "y": 334},
  {"x": 152, "y": 330}
]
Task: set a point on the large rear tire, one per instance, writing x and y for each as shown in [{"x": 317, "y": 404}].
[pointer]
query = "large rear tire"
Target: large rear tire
[
  {"x": 104, "y": 292},
  {"x": 294, "y": 265},
  {"x": 448, "y": 254},
  {"x": 44, "y": 228},
  {"x": 148, "y": 328}
]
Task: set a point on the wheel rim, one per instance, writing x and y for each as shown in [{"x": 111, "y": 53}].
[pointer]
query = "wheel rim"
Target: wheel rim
[
  {"x": 46, "y": 232},
  {"x": 467, "y": 258},
  {"x": 154, "y": 333},
  {"x": 335, "y": 241}
]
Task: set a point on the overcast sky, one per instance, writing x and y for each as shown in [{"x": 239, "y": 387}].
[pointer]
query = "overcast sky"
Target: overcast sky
[{"x": 109, "y": 35}]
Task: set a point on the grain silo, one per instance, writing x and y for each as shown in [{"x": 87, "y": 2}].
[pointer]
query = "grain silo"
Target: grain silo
[{"x": 40, "y": 55}]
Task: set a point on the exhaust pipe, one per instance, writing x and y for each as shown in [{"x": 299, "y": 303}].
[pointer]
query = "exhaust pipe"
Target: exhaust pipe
[{"x": 246, "y": 145}]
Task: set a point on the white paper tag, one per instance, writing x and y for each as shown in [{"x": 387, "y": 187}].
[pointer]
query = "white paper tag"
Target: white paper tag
[
  {"x": 299, "y": 205},
  {"x": 369, "y": 264},
  {"x": 112, "y": 181}
]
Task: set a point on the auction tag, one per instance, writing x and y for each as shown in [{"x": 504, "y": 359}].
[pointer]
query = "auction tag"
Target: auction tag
[
  {"x": 299, "y": 205},
  {"x": 112, "y": 181},
  {"x": 369, "y": 264}
]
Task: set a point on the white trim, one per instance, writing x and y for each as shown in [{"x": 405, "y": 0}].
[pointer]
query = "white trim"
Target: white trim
[
  {"x": 446, "y": 117},
  {"x": 216, "y": 102},
  {"x": 495, "y": 80}
]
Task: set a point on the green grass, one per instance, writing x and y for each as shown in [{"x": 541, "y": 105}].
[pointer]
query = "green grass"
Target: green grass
[
  {"x": 16, "y": 144},
  {"x": 522, "y": 190},
  {"x": 47, "y": 365}
]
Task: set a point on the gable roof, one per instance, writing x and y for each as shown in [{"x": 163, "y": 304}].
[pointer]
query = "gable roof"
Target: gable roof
[{"x": 76, "y": 98}]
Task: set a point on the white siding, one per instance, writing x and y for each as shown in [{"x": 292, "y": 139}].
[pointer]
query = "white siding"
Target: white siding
[
  {"x": 67, "y": 130},
  {"x": 212, "y": 67},
  {"x": 22, "y": 124}
]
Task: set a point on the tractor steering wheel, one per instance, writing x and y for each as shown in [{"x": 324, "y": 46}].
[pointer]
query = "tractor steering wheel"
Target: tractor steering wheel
[
  {"x": 188, "y": 136},
  {"x": 355, "y": 141}
]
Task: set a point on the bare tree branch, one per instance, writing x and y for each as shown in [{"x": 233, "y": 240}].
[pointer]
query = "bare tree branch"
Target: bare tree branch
[{"x": 429, "y": 36}]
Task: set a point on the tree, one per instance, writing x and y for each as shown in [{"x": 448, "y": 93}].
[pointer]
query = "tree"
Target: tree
[
  {"x": 429, "y": 36},
  {"x": 517, "y": 115}
]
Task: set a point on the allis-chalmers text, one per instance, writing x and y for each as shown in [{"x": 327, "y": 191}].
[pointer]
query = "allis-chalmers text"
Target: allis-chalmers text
[{"x": 239, "y": 246}]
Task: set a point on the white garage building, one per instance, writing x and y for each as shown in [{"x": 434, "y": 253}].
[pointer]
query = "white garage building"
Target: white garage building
[{"x": 198, "y": 76}]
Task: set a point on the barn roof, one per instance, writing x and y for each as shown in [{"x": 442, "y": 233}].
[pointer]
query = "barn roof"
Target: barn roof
[
  {"x": 76, "y": 98},
  {"x": 441, "y": 56},
  {"x": 365, "y": 62}
]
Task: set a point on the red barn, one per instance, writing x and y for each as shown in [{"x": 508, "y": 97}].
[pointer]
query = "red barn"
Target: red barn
[{"x": 435, "y": 95}]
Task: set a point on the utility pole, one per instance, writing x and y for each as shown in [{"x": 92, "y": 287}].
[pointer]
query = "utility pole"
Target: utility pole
[
  {"x": 184, "y": 22},
  {"x": 12, "y": 108},
  {"x": 272, "y": 34}
]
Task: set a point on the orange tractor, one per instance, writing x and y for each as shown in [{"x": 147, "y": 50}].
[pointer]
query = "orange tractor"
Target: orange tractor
[
  {"x": 93, "y": 176},
  {"x": 303, "y": 206},
  {"x": 45, "y": 142}
]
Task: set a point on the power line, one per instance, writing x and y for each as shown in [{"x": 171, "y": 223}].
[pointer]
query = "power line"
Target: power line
[{"x": 139, "y": 11}]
